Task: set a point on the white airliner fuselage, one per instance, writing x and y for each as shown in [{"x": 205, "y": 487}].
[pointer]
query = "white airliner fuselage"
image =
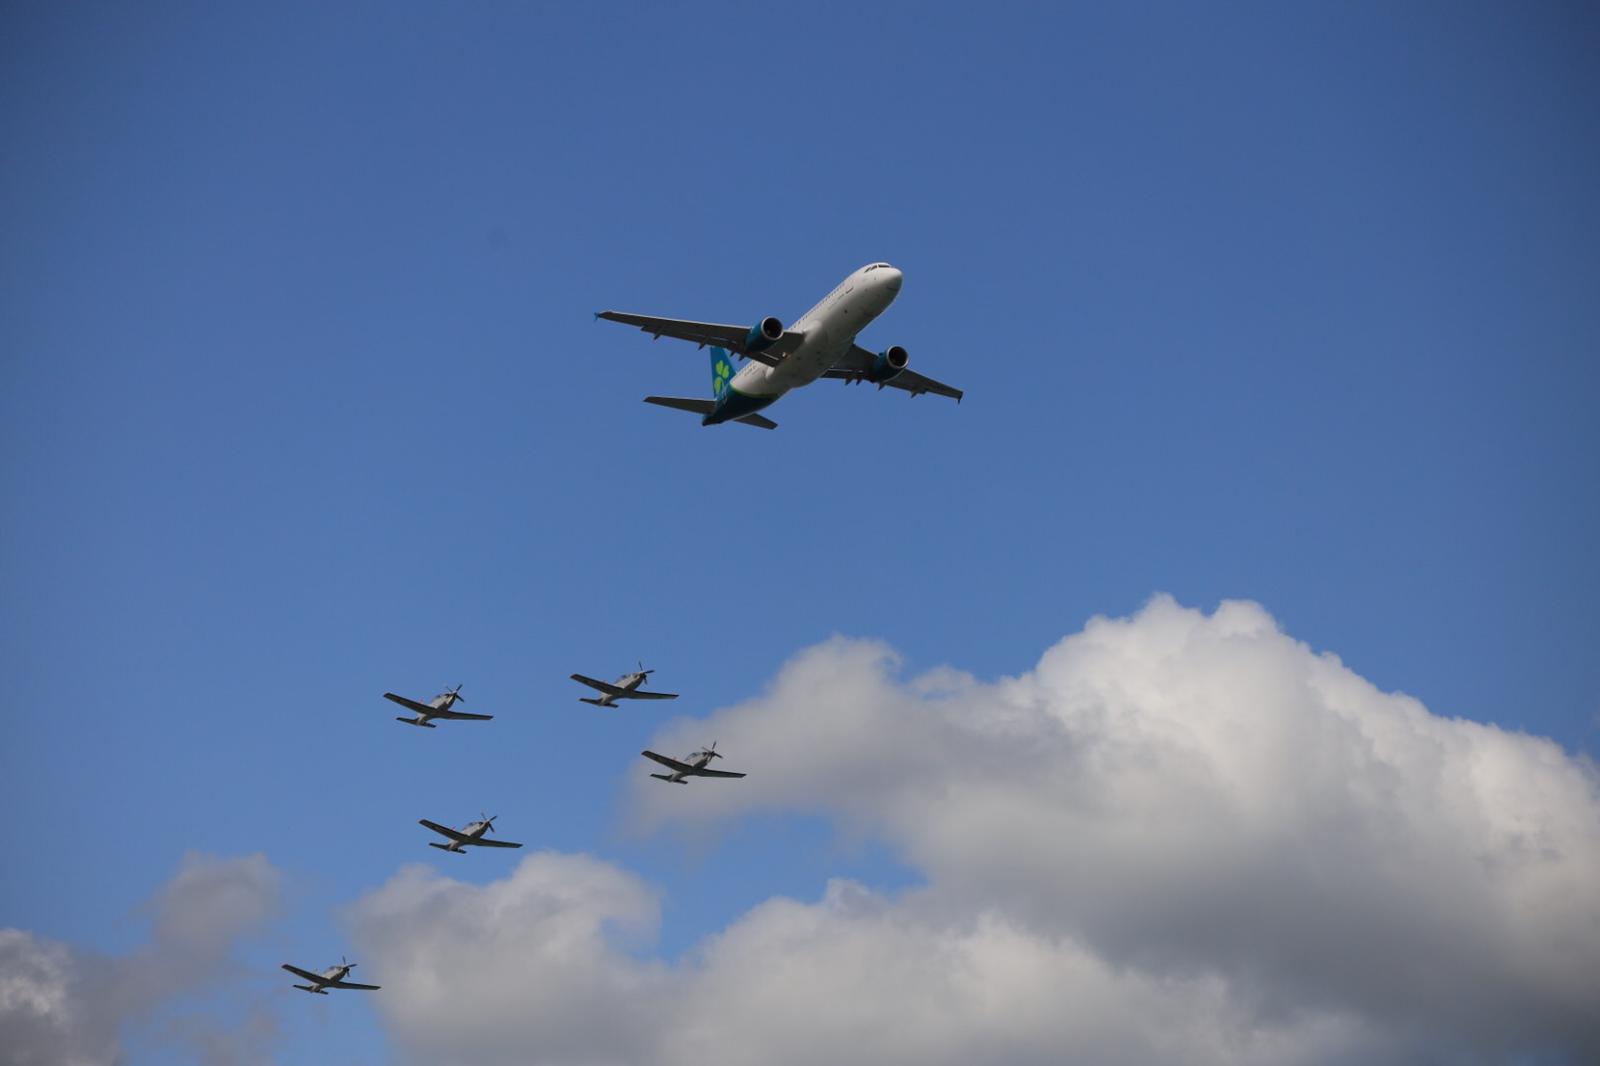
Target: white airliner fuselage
[{"x": 830, "y": 329}]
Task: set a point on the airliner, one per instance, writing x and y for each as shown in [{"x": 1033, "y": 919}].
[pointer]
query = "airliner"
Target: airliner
[{"x": 822, "y": 344}]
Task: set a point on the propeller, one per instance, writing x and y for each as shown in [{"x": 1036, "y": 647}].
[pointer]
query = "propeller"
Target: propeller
[
  {"x": 488, "y": 822},
  {"x": 642, "y": 671},
  {"x": 345, "y": 964},
  {"x": 712, "y": 751}
]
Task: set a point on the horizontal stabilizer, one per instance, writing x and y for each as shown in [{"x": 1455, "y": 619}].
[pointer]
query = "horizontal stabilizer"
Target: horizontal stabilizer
[
  {"x": 705, "y": 407},
  {"x": 413, "y": 721},
  {"x": 442, "y": 847},
  {"x": 669, "y": 777},
  {"x": 597, "y": 703},
  {"x": 312, "y": 989},
  {"x": 683, "y": 403},
  {"x": 758, "y": 420}
]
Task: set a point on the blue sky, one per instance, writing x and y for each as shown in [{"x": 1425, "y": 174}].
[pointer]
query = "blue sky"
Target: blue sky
[{"x": 302, "y": 398}]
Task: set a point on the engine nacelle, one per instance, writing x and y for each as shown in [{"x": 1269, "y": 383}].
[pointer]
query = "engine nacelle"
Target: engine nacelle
[
  {"x": 763, "y": 335},
  {"x": 885, "y": 365}
]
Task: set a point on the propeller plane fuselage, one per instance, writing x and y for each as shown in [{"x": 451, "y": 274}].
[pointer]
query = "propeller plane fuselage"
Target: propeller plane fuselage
[
  {"x": 473, "y": 834},
  {"x": 332, "y": 977},
  {"x": 626, "y": 687},
  {"x": 696, "y": 764},
  {"x": 441, "y": 706}
]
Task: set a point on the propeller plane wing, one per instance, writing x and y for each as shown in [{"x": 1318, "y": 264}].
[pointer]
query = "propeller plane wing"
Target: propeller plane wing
[
  {"x": 410, "y": 705},
  {"x": 671, "y": 764},
  {"x": 460, "y": 716},
  {"x": 444, "y": 830}
]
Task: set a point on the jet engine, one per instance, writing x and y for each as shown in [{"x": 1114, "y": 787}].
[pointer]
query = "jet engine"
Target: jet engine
[
  {"x": 885, "y": 365},
  {"x": 763, "y": 335}
]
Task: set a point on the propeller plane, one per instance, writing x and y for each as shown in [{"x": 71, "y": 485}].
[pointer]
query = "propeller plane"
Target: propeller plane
[
  {"x": 475, "y": 834},
  {"x": 332, "y": 977},
  {"x": 627, "y": 687},
  {"x": 694, "y": 765},
  {"x": 441, "y": 706}
]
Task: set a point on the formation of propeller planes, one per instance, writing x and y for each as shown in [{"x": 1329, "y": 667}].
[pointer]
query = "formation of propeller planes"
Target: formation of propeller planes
[
  {"x": 777, "y": 360},
  {"x": 477, "y": 834}
]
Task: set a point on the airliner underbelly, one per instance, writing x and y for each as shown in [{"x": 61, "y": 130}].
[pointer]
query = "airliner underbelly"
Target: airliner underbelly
[{"x": 829, "y": 336}]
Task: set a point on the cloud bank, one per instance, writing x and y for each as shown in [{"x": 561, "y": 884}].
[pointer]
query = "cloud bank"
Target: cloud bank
[
  {"x": 61, "y": 1006},
  {"x": 1181, "y": 837}
]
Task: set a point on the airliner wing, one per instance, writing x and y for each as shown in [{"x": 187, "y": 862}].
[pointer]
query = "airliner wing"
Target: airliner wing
[
  {"x": 352, "y": 984},
  {"x": 420, "y": 708},
  {"x": 640, "y": 694},
  {"x": 444, "y": 830},
  {"x": 484, "y": 843},
  {"x": 604, "y": 686},
  {"x": 714, "y": 773},
  {"x": 314, "y": 978},
  {"x": 681, "y": 767},
  {"x": 856, "y": 363},
  {"x": 703, "y": 333}
]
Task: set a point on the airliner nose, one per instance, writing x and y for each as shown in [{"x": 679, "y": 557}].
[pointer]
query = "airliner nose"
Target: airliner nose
[{"x": 891, "y": 278}]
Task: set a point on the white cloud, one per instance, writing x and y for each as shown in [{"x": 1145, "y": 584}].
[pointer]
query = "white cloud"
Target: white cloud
[
  {"x": 47, "y": 1017},
  {"x": 522, "y": 970},
  {"x": 1180, "y": 838},
  {"x": 468, "y": 973},
  {"x": 60, "y": 1006}
]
